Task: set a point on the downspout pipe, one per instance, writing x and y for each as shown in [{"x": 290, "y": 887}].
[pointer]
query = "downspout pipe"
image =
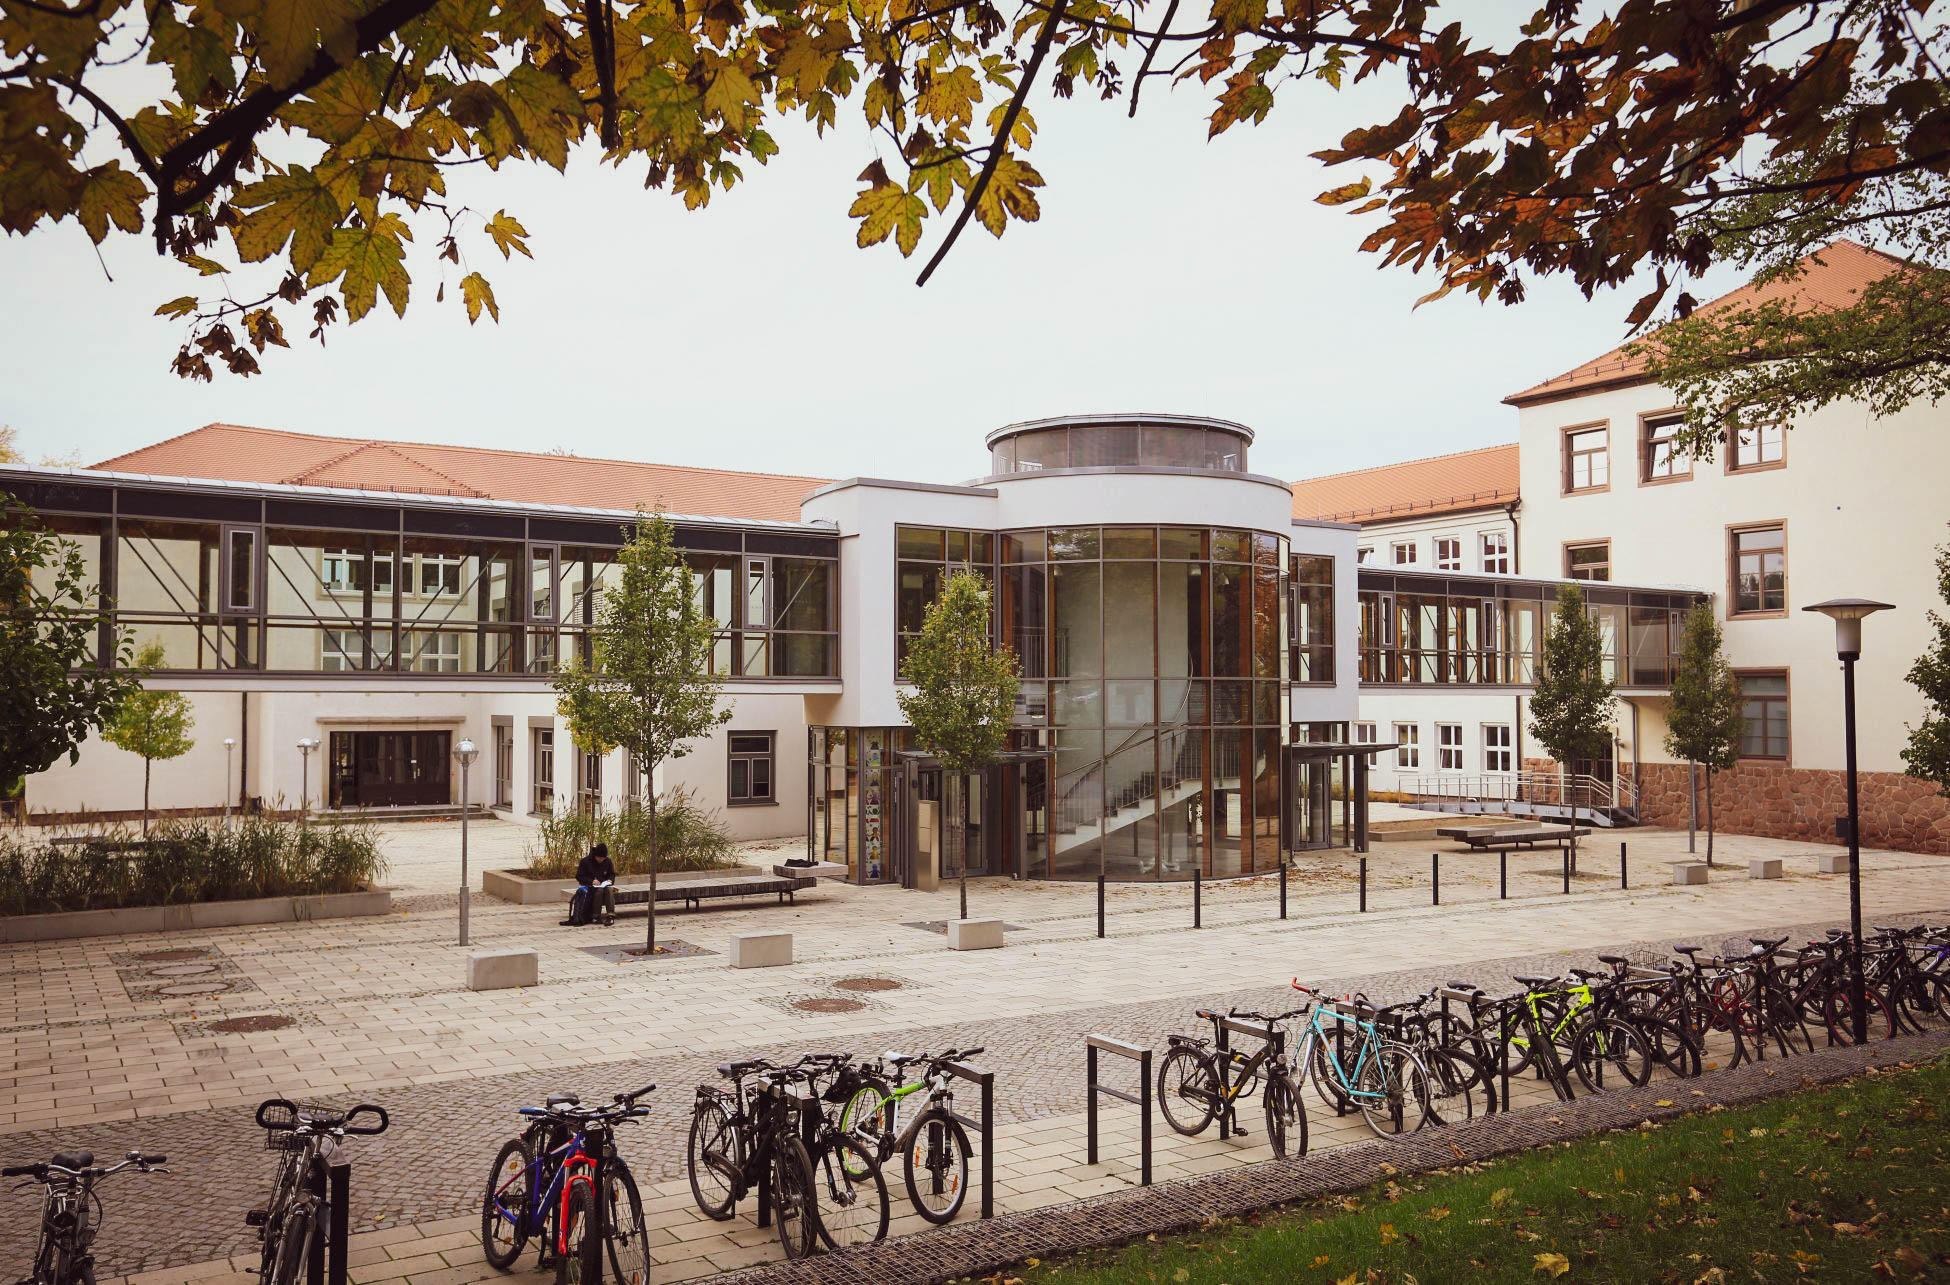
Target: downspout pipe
[{"x": 1516, "y": 544}]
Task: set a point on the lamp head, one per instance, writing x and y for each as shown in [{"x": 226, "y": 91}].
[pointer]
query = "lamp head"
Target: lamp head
[
  {"x": 230, "y": 742},
  {"x": 1847, "y": 613},
  {"x": 306, "y": 745},
  {"x": 466, "y": 751}
]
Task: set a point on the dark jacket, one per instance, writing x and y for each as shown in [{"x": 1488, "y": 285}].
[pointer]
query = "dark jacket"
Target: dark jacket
[{"x": 594, "y": 870}]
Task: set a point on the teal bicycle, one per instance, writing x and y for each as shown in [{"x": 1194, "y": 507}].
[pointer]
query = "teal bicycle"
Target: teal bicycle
[
  {"x": 933, "y": 1145},
  {"x": 1353, "y": 1064}
]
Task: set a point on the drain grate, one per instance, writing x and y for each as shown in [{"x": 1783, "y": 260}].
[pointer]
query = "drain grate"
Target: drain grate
[
  {"x": 214, "y": 986},
  {"x": 174, "y": 955},
  {"x": 828, "y": 1004},
  {"x": 867, "y": 984},
  {"x": 251, "y": 1025},
  {"x": 203, "y": 969}
]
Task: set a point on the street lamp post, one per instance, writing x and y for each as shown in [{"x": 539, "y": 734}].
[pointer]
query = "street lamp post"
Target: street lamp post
[
  {"x": 1847, "y": 613},
  {"x": 229, "y": 747},
  {"x": 465, "y": 753},
  {"x": 305, "y": 746}
]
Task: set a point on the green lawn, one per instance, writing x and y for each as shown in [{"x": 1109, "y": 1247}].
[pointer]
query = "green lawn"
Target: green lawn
[{"x": 1845, "y": 1183}]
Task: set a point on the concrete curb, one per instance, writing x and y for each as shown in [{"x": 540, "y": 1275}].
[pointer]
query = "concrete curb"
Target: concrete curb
[{"x": 195, "y": 915}]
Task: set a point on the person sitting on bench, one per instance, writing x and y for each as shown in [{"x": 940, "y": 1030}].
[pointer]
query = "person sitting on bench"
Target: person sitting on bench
[{"x": 597, "y": 873}]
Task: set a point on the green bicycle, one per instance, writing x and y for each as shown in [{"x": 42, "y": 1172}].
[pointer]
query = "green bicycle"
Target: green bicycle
[
  {"x": 933, "y": 1145},
  {"x": 1586, "y": 1028}
]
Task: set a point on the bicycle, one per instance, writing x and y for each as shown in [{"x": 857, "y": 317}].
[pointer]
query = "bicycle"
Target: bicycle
[
  {"x": 307, "y": 1139},
  {"x": 853, "y": 1206},
  {"x": 71, "y": 1211},
  {"x": 748, "y": 1133},
  {"x": 1382, "y": 1077},
  {"x": 561, "y": 1183},
  {"x": 933, "y": 1145},
  {"x": 1198, "y": 1082}
]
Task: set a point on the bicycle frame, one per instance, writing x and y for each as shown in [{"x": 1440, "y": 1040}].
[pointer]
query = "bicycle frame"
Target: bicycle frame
[{"x": 1316, "y": 1032}]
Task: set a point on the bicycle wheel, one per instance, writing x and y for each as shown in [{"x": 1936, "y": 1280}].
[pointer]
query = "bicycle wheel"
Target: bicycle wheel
[
  {"x": 1188, "y": 1092},
  {"x": 1670, "y": 1046},
  {"x": 936, "y": 1161},
  {"x": 1329, "y": 1074},
  {"x": 1453, "y": 1080},
  {"x": 868, "y": 1118},
  {"x": 504, "y": 1207},
  {"x": 582, "y": 1247},
  {"x": 1392, "y": 1091},
  {"x": 1838, "y": 1010},
  {"x": 852, "y": 1195},
  {"x": 625, "y": 1235},
  {"x": 1286, "y": 1117},
  {"x": 1609, "y": 1054},
  {"x": 795, "y": 1206},
  {"x": 715, "y": 1159},
  {"x": 294, "y": 1247}
]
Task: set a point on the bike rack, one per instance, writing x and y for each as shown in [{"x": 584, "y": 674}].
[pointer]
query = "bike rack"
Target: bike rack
[
  {"x": 1227, "y": 1026},
  {"x": 327, "y": 1264},
  {"x": 985, "y": 1080},
  {"x": 1093, "y": 1044},
  {"x": 1470, "y": 996}
]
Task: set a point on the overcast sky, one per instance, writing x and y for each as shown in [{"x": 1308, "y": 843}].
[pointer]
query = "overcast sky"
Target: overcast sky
[{"x": 1167, "y": 274}]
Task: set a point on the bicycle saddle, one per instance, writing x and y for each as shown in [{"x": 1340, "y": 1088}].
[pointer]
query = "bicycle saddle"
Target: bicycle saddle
[
  {"x": 1532, "y": 982},
  {"x": 1764, "y": 944},
  {"x": 731, "y": 1070},
  {"x": 904, "y": 1059},
  {"x": 1616, "y": 961},
  {"x": 1688, "y": 949},
  {"x": 73, "y": 1160},
  {"x": 1205, "y": 1015},
  {"x": 563, "y": 1100},
  {"x": 1587, "y": 974}
]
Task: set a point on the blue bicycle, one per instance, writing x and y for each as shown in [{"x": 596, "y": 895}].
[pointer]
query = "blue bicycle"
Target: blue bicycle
[
  {"x": 562, "y": 1184},
  {"x": 1353, "y": 1064}
]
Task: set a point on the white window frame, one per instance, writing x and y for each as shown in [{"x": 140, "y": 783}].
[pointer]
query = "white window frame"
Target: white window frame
[
  {"x": 1494, "y": 546},
  {"x": 1364, "y": 555},
  {"x": 1364, "y": 734},
  {"x": 1399, "y": 547},
  {"x": 441, "y": 563},
  {"x": 1408, "y": 746},
  {"x": 1499, "y": 746},
  {"x": 1452, "y": 559},
  {"x": 437, "y": 652},
  {"x": 1448, "y": 747}
]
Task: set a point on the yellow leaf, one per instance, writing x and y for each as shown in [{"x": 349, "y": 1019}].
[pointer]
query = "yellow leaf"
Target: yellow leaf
[
  {"x": 1388, "y": 1234},
  {"x": 887, "y": 209},
  {"x": 1501, "y": 1197},
  {"x": 1010, "y": 194},
  {"x": 1321, "y": 1260},
  {"x": 477, "y": 294},
  {"x": 1181, "y": 1275},
  {"x": 110, "y": 194},
  {"x": 181, "y": 307},
  {"x": 1436, "y": 1213},
  {"x": 1555, "y": 1264},
  {"x": 290, "y": 34},
  {"x": 1663, "y": 1102}
]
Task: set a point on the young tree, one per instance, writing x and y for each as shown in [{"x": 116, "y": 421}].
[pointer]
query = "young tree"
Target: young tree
[
  {"x": 1703, "y": 719},
  {"x": 297, "y": 153},
  {"x": 154, "y": 724},
  {"x": 648, "y": 686},
  {"x": 1927, "y": 756},
  {"x": 1571, "y": 706},
  {"x": 52, "y": 690},
  {"x": 965, "y": 687}
]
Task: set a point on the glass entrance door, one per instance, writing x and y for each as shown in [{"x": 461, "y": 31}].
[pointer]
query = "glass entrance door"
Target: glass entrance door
[
  {"x": 1313, "y": 803},
  {"x": 390, "y": 769}
]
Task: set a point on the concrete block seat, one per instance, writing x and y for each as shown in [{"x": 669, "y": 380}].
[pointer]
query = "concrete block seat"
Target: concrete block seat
[
  {"x": 974, "y": 934},
  {"x": 493, "y": 970},
  {"x": 1764, "y": 868},
  {"x": 761, "y": 950},
  {"x": 1688, "y": 872},
  {"x": 696, "y": 891}
]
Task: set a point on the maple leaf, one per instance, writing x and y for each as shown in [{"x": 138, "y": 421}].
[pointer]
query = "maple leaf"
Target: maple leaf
[
  {"x": 477, "y": 294},
  {"x": 1555, "y": 1264},
  {"x": 365, "y": 260},
  {"x": 1010, "y": 194},
  {"x": 110, "y": 194},
  {"x": 295, "y": 206},
  {"x": 508, "y": 234},
  {"x": 887, "y": 209},
  {"x": 538, "y": 103},
  {"x": 290, "y": 34}
]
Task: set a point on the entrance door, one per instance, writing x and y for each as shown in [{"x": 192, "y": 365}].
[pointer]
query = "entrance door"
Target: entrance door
[
  {"x": 976, "y": 814},
  {"x": 390, "y": 769},
  {"x": 1313, "y": 803}
]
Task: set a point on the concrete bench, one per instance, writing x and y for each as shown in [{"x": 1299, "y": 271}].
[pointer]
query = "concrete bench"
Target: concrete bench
[
  {"x": 494, "y": 970},
  {"x": 974, "y": 934},
  {"x": 1688, "y": 872},
  {"x": 1764, "y": 868},
  {"x": 1832, "y": 863},
  {"x": 817, "y": 870},
  {"x": 695, "y": 892},
  {"x": 760, "y": 950},
  {"x": 1483, "y": 838}
]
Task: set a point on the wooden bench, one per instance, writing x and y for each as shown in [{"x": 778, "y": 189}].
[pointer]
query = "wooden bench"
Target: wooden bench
[
  {"x": 695, "y": 892},
  {"x": 1492, "y": 838}
]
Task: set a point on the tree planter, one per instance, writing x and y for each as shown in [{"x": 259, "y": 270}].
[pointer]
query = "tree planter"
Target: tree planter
[
  {"x": 196, "y": 915},
  {"x": 514, "y": 886}
]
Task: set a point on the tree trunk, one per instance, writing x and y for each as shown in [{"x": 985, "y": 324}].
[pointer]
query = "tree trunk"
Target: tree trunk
[
  {"x": 650, "y": 790},
  {"x": 1709, "y": 820},
  {"x": 145, "y": 798}
]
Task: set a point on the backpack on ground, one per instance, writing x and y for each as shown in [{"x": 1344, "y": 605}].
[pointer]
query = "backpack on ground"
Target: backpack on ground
[{"x": 581, "y": 908}]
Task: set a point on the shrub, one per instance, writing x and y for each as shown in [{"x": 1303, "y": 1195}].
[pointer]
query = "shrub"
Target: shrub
[
  {"x": 186, "y": 861},
  {"x": 689, "y": 837}
]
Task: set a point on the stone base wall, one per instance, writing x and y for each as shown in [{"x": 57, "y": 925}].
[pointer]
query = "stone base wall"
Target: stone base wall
[{"x": 1780, "y": 802}]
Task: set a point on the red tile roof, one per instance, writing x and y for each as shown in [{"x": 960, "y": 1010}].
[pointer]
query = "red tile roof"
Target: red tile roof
[
  {"x": 1416, "y": 488},
  {"x": 235, "y": 453},
  {"x": 1836, "y": 274}
]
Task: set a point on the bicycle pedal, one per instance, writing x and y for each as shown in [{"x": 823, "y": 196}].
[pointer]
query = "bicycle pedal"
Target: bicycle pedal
[{"x": 256, "y": 1217}]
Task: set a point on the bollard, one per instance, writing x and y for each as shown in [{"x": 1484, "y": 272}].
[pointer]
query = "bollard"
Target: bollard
[
  {"x": 1566, "y": 854},
  {"x": 1364, "y": 885},
  {"x": 1623, "y": 881},
  {"x": 1503, "y": 874},
  {"x": 1435, "y": 878},
  {"x": 1100, "y": 905},
  {"x": 1283, "y": 888},
  {"x": 1195, "y": 898}
]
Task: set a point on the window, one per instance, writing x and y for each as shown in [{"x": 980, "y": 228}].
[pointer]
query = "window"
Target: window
[
  {"x": 344, "y": 650},
  {"x": 1764, "y": 716},
  {"x": 1364, "y": 554},
  {"x": 1408, "y": 745},
  {"x": 1496, "y": 747},
  {"x": 1402, "y": 555},
  {"x": 1757, "y": 447},
  {"x": 751, "y": 767},
  {"x": 542, "y": 763},
  {"x": 1657, "y": 460},
  {"x": 1759, "y": 558},
  {"x": 440, "y": 575},
  {"x": 1448, "y": 554},
  {"x": 1587, "y": 463},
  {"x": 435, "y": 652},
  {"x": 589, "y": 782},
  {"x": 240, "y": 579},
  {"x": 1364, "y": 734},
  {"x": 1312, "y": 613},
  {"x": 1588, "y": 561},
  {"x": 1449, "y": 747},
  {"x": 344, "y": 571},
  {"x": 1496, "y": 551},
  {"x": 504, "y": 765}
]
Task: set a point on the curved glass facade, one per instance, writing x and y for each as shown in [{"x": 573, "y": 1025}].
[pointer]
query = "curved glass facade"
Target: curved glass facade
[
  {"x": 1155, "y": 658},
  {"x": 1086, "y": 445}
]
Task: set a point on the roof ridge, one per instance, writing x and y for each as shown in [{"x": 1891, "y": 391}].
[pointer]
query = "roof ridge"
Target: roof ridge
[
  {"x": 469, "y": 489},
  {"x": 215, "y": 423},
  {"x": 1420, "y": 459},
  {"x": 298, "y": 478}
]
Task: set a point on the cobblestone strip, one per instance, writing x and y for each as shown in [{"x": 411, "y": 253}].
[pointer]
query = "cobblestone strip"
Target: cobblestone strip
[
  {"x": 975, "y": 1249},
  {"x": 430, "y": 1163}
]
